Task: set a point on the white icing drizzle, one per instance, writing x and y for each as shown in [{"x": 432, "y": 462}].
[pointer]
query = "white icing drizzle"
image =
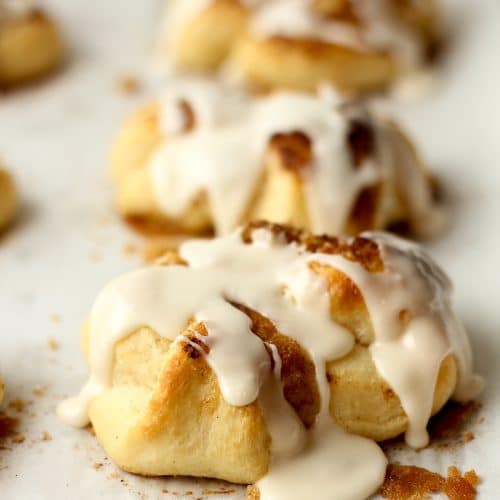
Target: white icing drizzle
[
  {"x": 297, "y": 19},
  {"x": 225, "y": 155},
  {"x": 275, "y": 279}
]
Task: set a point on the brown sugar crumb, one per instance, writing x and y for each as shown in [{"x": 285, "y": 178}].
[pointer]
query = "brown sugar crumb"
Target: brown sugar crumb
[
  {"x": 52, "y": 344},
  {"x": 220, "y": 491},
  {"x": 97, "y": 465},
  {"x": 128, "y": 85},
  {"x": 467, "y": 436},
  {"x": 46, "y": 436},
  {"x": 8, "y": 426},
  {"x": 129, "y": 249},
  {"x": 406, "y": 481},
  {"x": 362, "y": 250},
  {"x": 55, "y": 318},
  {"x": 449, "y": 422},
  {"x": 294, "y": 150},
  {"x": 17, "y": 404},
  {"x": 39, "y": 391},
  {"x": 89, "y": 429},
  {"x": 18, "y": 438}
]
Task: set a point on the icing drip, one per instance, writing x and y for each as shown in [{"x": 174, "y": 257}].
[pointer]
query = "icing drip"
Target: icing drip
[
  {"x": 286, "y": 290},
  {"x": 225, "y": 156}
]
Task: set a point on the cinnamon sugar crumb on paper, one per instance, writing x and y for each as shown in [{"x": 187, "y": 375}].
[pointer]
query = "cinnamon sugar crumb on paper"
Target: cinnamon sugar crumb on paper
[
  {"x": 128, "y": 84},
  {"x": 129, "y": 249},
  {"x": 403, "y": 482},
  {"x": 17, "y": 404},
  {"x": 18, "y": 438},
  {"x": 8, "y": 426},
  {"x": 89, "y": 429},
  {"x": 52, "y": 344},
  {"x": 467, "y": 436},
  {"x": 39, "y": 391},
  {"x": 55, "y": 318},
  {"x": 46, "y": 436}
]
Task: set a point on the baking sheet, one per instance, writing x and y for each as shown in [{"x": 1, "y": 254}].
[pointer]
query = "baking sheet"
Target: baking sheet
[{"x": 68, "y": 242}]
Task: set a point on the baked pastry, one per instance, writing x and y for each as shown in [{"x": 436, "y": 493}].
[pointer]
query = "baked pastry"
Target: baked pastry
[
  {"x": 207, "y": 158},
  {"x": 2, "y": 389},
  {"x": 30, "y": 43},
  {"x": 356, "y": 45},
  {"x": 8, "y": 199},
  {"x": 267, "y": 357}
]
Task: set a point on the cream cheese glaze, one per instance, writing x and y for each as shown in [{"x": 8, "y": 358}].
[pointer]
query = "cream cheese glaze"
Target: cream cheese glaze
[
  {"x": 225, "y": 155},
  {"x": 223, "y": 271}
]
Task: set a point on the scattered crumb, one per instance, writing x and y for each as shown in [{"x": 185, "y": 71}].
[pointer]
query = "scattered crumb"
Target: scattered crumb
[
  {"x": 53, "y": 344},
  {"x": 97, "y": 465},
  {"x": 404, "y": 481},
  {"x": 467, "y": 436},
  {"x": 55, "y": 318},
  {"x": 89, "y": 429},
  {"x": 17, "y": 404},
  {"x": 480, "y": 420},
  {"x": 447, "y": 428},
  {"x": 114, "y": 475},
  {"x": 128, "y": 84},
  {"x": 18, "y": 438},
  {"x": 46, "y": 436},
  {"x": 129, "y": 249},
  {"x": 39, "y": 391},
  {"x": 221, "y": 491},
  {"x": 8, "y": 426}
]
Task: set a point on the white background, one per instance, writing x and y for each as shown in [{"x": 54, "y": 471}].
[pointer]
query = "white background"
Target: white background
[{"x": 68, "y": 243}]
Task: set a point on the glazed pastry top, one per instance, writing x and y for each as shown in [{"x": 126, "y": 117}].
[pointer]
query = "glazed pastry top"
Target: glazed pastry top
[
  {"x": 217, "y": 139},
  {"x": 359, "y": 24},
  {"x": 270, "y": 269}
]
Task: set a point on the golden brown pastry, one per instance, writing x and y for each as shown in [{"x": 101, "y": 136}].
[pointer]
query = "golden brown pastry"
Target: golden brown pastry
[
  {"x": 206, "y": 158},
  {"x": 8, "y": 199},
  {"x": 355, "y": 45},
  {"x": 30, "y": 43},
  {"x": 263, "y": 356}
]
